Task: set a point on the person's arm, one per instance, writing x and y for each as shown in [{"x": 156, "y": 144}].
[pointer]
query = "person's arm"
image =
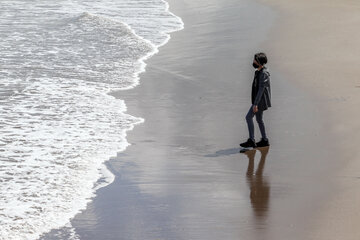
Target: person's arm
[{"x": 262, "y": 79}]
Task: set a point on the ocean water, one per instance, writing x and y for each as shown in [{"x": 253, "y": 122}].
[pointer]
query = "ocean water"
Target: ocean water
[{"x": 58, "y": 124}]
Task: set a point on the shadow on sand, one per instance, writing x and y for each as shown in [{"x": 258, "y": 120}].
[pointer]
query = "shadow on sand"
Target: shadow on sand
[
  {"x": 258, "y": 184},
  {"x": 224, "y": 152}
]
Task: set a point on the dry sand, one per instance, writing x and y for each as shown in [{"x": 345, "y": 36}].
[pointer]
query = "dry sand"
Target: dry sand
[{"x": 316, "y": 43}]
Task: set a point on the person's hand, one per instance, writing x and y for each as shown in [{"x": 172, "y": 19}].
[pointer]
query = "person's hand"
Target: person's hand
[{"x": 255, "y": 108}]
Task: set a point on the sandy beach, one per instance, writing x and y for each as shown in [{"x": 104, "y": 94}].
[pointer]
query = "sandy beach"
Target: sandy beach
[
  {"x": 316, "y": 44},
  {"x": 183, "y": 176}
]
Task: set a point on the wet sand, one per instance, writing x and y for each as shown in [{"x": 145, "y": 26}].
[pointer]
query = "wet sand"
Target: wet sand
[
  {"x": 316, "y": 44},
  {"x": 183, "y": 176}
]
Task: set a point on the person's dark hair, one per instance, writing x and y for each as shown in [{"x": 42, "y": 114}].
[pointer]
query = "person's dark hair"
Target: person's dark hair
[{"x": 261, "y": 58}]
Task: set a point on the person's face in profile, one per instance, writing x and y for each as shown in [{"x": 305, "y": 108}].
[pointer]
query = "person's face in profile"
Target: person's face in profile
[{"x": 256, "y": 64}]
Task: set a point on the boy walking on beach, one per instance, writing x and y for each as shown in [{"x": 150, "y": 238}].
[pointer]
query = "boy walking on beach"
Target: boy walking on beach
[{"x": 261, "y": 101}]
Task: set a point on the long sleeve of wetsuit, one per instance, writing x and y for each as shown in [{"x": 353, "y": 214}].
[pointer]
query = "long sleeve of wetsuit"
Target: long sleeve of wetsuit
[{"x": 262, "y": 79}]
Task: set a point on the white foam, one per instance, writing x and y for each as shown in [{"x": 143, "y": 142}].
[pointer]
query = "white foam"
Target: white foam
[{"x": 58, "y": 124}]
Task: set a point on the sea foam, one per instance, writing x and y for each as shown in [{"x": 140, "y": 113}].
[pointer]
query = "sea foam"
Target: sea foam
[{"x": 58, "y": 124}]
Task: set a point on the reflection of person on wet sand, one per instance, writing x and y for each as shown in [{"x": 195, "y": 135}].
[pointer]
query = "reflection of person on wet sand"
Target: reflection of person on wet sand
[{"x": 259, "y": 187}]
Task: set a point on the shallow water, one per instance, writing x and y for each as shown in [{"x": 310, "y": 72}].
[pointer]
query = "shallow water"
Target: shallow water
[
  {"x": 183, "y": 177},
  {"x": 58, "y": 123}
]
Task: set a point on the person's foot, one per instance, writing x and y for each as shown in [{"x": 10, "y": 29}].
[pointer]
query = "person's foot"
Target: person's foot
[
  {"x": 248, "y": 144},
  {"x": 263, "y": 143}
]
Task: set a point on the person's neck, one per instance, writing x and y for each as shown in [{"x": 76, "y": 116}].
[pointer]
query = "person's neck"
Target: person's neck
[{"x": 259, "y": 68}]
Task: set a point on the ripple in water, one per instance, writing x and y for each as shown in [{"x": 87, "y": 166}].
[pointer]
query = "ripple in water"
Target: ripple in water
[{"x": 57, "y": 122}]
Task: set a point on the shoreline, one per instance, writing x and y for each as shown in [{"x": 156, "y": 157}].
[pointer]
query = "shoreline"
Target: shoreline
[
  {"x": 106, "y": 177},
  {"x": 182, "y": 177}
]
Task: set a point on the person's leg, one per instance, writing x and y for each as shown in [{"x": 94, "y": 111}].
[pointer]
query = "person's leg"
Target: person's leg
[
  {"x": 259, "y": 119},
  {"x": 250, "y": 123}
]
